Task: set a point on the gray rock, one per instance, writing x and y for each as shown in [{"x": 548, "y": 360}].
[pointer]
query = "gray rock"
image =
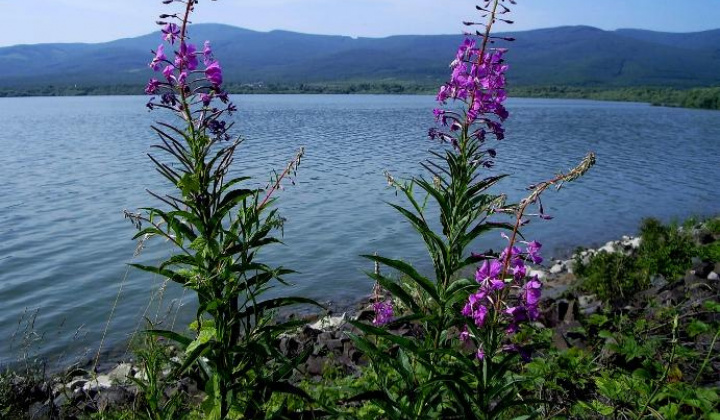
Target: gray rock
[
  {"x": 713, "y": 276},
  {"x": 702, "y": 236},
  {"x": 290, "y": 346},
  {"x": 557, "y": 268},
  {"x": 61, "y": 400},
  {"x": 608, "y": 247},
  {"x": 635, "y": 243},
  {"x": 658, "y": 281},
  {"x": 703, "y": 269},
  {"x": 334, "y": 344},
  {"x": 570, "y": 266},
  {"x": 324, "y": 337},
  {"x": 101, "y": 382},
  {"x": 114, "y": 397},
  {"x": 588, "y": 304},
  {"x": 141, "y": 375},
  {"x": 539, "y": 273},
  {"x": 76, "y": 383},
  {"x": 329, "y": 322},
  {"x": 121, "y": 373},
  {"x": 315, "y": 365}
]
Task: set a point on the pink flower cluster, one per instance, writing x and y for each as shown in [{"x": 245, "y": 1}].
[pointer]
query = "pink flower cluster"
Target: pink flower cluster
[
  {"x": 185, "y": 62},
  {"x": 478, "y": 80},
  {"x": 185, "y": 81},
  {"x": 497, "y": 278},
  {"x": 383, "y": 313}
]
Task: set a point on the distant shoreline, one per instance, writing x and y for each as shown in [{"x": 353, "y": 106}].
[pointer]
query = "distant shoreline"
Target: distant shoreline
[{"x": 697, "y": 98}]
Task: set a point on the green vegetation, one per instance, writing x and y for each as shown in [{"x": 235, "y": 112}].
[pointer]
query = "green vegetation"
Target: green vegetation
[
  {"x": 650, "y": 360},
  {"x": 611, "y": 275},
  {"x": 665, "y": 251},
  {"x": 700, "y": 98},
  {"x": 442, "y": 345}
]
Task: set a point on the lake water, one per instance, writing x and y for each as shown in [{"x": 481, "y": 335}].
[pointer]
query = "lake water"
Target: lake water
[{"x": 69, "y": 166}]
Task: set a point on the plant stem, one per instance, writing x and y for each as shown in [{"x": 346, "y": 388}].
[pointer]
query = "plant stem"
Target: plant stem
[
  {"x": 667, "y": 368},
  {"x": 707, "y": 357}
]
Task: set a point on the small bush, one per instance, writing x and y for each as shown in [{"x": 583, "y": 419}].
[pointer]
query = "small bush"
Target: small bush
[
  {"x": 665, "y": 250},
  {"x": 713, "y": 226},
  {"x": 710, "y": 252},
  {"x": 611, "y": 276}
]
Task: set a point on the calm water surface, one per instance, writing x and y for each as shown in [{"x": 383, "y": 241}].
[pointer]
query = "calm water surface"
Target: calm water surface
[{"x": 69, "y": 166}]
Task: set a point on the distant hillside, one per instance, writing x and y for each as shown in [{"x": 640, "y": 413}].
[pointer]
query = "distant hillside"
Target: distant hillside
[{"x": 566, "y": 56}]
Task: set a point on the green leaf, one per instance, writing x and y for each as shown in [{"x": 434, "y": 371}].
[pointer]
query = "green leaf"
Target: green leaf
[
  {"x": 286, "y": 388},
  {"x": 207, "y": 333},
  {"x": 189, "y": 184},
  {"x": 232, "y": 182},
  {"x": 180, "y": 259},
  {"x": 712, "y": 306},
  {"x": 171, "y": 335},
  {"x": 697, "y": 327},
  {"x": 460, "y": 286},
  {"x": 597, "y": 407},
  {"x": 409, "y": 271},
  {"x": 605, "y": 334},
  {"x": 172, "y": 275},
  {"x": 396, "y": 291},
  {"x": 403, "y": 342},
  {"x": 481, "y": 228}
]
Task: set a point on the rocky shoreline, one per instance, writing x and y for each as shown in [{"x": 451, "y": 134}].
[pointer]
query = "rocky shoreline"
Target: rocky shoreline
[{"x": 78, "y": 392}]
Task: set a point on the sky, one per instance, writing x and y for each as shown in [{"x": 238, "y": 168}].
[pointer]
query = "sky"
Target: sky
[{"x": 42, "y": 21}]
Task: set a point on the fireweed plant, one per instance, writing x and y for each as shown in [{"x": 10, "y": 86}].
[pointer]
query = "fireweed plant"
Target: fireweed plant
[
  {"x": 217, "y": 227},
  {"x": 458, "y": 362}
]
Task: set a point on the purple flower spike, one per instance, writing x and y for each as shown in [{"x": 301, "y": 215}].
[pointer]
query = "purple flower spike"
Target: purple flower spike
[
  {"x": 518, "y": 314},
  {"x": 171, "y": 32},
  {"x": 186, "y": 57},
  {"x": 152, "y": 87},
  {"x": 157, "y": 61},
  {"x": 519, "y": 270},
  {"x": 488, "y": 271},
  {"x": 168, "y": 72},
  {"x": 467, "y": 310},
  {"x": 383, "y": 313},
  {"x": 497, "y": 284},
  {"x": 533, "y": 291},
  {"x": 514, "y": 254},
  {"x": 480, "y": 354},
  {"x": 533, "y": 251},
  {"x": 213, "y": 72},
  {"x": 207, "y": 54},
  {"x": 205, "y": 98},
  {"x": 182, "y": 78},
  {"x": 479, "y": 315},
  {"x": 465, "y": 335},
  {"x": 479, "y": 81}
]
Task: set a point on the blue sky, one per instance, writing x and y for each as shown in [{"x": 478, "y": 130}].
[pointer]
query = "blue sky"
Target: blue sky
[{"x": 36, "y": 21}]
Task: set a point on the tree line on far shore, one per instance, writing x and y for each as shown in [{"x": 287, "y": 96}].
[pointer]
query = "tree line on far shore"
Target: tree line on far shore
[{"x": 700, "y": 98}]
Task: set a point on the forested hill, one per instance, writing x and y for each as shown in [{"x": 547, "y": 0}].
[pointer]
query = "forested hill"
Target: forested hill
[{"x": 576, "y": 56}]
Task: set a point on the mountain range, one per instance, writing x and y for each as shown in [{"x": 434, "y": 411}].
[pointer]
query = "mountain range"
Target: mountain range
[{"x": 563, "y": 56}]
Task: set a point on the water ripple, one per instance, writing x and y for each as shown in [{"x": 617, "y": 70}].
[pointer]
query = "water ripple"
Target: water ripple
[{"x": 64, "y": 243}]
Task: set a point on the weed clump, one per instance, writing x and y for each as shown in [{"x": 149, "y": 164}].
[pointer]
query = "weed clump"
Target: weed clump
[{"x": 665, "y": 250}]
